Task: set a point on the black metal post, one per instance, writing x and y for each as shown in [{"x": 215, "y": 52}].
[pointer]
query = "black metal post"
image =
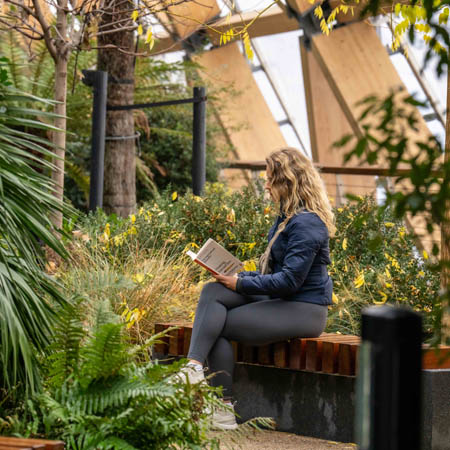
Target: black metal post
[
  {"x": 389, "y": 380},
  {"x": 99, "y": 82},
  {"x": 199, "y": 141}
]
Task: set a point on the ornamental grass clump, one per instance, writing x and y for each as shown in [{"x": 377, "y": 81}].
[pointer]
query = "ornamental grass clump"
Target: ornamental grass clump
[{"x": 148, "y": 286}]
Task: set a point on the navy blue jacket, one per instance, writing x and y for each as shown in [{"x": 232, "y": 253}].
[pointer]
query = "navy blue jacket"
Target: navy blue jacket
[{"x": 299, "y": 263}]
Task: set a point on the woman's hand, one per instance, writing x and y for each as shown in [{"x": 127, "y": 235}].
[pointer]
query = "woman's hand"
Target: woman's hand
[{"x": 229, "y": 282}]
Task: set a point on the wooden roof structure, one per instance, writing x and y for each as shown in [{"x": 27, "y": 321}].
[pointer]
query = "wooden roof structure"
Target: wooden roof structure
[{"x": 332, "y": 88}]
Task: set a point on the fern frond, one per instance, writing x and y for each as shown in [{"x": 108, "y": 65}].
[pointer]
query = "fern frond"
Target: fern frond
[
  {"x": 65, "y": 348},
  {"x": 105, "y": 353}
]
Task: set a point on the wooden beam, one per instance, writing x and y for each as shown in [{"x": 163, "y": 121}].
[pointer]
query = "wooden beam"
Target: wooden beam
[
  {"x": 189, "y": 16},
  {"x": 343, "y": 170},
  {"x": 248, "y": 120},
  {"x": 327, "y": 124},
  {"x": 273, "y": 21}
]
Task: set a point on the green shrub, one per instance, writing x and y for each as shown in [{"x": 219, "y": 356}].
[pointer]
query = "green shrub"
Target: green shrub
[
  {"x": 238, "y": 220},
  {"x": 374, "y": 260},
  {"x": 104, "y": 392}
]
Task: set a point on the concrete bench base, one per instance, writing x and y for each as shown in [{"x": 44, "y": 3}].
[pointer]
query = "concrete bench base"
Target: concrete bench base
[{"x": 322, "y": 405}]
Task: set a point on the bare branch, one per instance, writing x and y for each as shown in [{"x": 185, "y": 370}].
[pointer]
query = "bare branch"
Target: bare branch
[
  {"x": 23, "y": 7},
  {"x": 22, "y": 30},
  {"x": 46, "y": 29}
]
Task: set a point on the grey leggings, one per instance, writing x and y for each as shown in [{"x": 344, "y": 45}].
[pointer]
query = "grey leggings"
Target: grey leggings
[{"x": 223, "y": 315}]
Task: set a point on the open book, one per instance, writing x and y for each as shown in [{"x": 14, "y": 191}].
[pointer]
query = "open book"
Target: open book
[{"x": 213, "y": 257}]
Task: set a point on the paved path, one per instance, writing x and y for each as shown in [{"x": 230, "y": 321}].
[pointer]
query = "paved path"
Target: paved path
[{"x": 276, "y": 440}]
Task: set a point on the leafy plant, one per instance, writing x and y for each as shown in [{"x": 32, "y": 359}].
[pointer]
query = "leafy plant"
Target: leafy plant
[
  {"x": 375, "y": 261},
  {"x": 26, "y": 202},
  {"x": 105, "y": 392}
]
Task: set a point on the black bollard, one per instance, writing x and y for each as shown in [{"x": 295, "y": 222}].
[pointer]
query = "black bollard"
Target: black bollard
[
  {"x": 389, "y": 380},
  {"x": 99, "y": 82},
  {"x": 199, "y": 141}
]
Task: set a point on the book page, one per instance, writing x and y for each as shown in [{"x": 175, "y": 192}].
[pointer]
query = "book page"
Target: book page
[{"x": 215, "y": 257}]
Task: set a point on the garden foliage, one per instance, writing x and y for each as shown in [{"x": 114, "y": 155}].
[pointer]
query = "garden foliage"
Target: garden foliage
[
  {"x": 374, "y": 258},
  {"x": 104, "y": 392},
  {"x": 26, "y": 203}
]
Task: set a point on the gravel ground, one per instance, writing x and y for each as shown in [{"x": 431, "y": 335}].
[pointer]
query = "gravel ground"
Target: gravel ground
[{"x": 276, "y": 440}]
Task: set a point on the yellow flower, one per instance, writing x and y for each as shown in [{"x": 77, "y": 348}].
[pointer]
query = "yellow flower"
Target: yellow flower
[
  {"x": 388, "y": 274},
  {"x": 138, "y": 278},
  {"x": 421, "y": 273},
  {"x": 359, "y": 280},
  {"x": 249, "y": 265},
  {"x": 394, "y": 263},
  {"x": 140, "y": 30},
  {"x": 384, "y": 297},
  {"x": 401, "y": 231},
  {"x": 107, "y": 231},
  {"x": 389, "y": 224},
  {"x": 197, "y": 198},
  {"x": 335, "y": 298},
  {"x": 132, "y": 230},
  {"x": 135, "y": 15},
  {"x": 266, "y": 210},
  {"x": 344, "y": 244},
  {"x": 141, "y": 211},
  {"x": 231, "y": 235},
  {"x": 174, "y": 196},
  {"x": 133, "y": 218},
  {"x": 425, "y": 254},
  {"x": 388, "y": 285},
  {"x": 340, "y": 209}
]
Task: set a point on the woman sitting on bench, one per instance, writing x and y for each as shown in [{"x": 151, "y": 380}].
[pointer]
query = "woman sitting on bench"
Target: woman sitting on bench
[{"x": 287, "y": 298}]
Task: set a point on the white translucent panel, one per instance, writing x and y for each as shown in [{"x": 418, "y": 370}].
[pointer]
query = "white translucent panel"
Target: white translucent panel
[
  {"x": 282, "y": 53},
  {"x": 269, "y": 95},
  {"x": 291, "y": 137},
  {"x": 437, "y": 130}
]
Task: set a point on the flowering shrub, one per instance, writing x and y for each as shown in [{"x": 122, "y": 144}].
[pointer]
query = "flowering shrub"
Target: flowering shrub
[
  {"x": 374, "y": 261},
  {"x": 238, "y": 220}
]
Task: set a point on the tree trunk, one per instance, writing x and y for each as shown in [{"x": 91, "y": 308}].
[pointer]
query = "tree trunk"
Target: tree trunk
[
  {"x": 60, "y": 91},
  {"x": 445, "y": 233},
  {"x": 119, "y": 192}
]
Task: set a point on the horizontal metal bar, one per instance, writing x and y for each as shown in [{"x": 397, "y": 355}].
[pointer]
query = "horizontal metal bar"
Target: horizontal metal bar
[
  {"x": 284, "y": 122},
  {"x": 155, "y": 104},
  {"x": 369, "y": 171},
  {"x": 430, "y": 117},
  {"x": 257, "y": 68}
]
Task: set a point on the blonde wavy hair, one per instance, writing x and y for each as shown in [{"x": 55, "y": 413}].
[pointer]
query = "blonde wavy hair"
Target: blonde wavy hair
[{"x": 296, "y": 184}]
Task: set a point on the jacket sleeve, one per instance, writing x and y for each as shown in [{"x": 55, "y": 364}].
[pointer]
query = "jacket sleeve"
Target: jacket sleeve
[
  {"x": 301, "y": 249},
  {"x": 248, "y": 273}
]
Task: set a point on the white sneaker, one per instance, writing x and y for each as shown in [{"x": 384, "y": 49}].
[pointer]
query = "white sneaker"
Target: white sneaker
[
  {"x": 192, "y": 373},
  {"x": 224, "y": 419}
]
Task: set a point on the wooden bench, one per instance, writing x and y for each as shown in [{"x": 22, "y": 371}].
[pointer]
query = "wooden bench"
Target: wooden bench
[
  {"x": 11, "y": 443},
  {"x": 330, "y": 353}
]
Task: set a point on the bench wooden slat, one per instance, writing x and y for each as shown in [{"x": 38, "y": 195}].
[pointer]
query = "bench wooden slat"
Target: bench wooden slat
[
  {"x": 436, "y": 360},
  {"x": 296, "y": 350},
  {"x": 187, "y": 340},
  {"x": 248, "y": 353},
  {"x": 329, "y": 353},
  {"x": 265, "y": 355},
  {"x": 347, "y": 358},
  {"x": 281, "y": 354},
  {"x": 23, "y": 443}
]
